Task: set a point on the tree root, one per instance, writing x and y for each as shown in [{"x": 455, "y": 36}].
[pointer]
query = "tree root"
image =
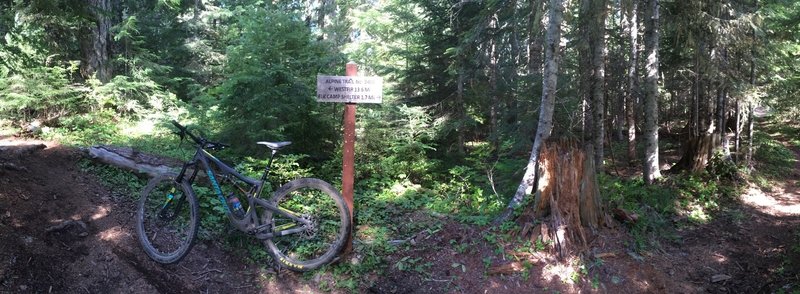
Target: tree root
[{"x": 67, "y": 224}]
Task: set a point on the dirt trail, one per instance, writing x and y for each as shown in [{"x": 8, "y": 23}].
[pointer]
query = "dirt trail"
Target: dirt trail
[
  {"x": 45, "y": 201},
  {"x": 752, "y": 247}
]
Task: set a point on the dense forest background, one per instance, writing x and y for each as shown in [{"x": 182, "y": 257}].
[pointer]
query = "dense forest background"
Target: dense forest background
[{"x": 465, "y": 86}]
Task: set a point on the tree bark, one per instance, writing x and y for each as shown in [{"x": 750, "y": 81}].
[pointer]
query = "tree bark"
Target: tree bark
[
  {"x": 738, "y": 131},
  {"x": 720, "y": 110},
  {"x": 534, "y": 38},
  {"x": 695, "y": 122},
  {"x": 651, "y": 170},
  {"x": 569, "y": 193},
  {"x": 585, "y": 70},
  {"x": 750, "y": 106},
  {"x": 96, "y": 48},
  {"x": 750, "y": 148},
  {"x": 494, "y": 135},
  {"x": 722, "y": 105},
  {"x": 701, "y": 103},
  {"x": 696, "y": 153},
  {"x": 545, "y": 125},
  {"x": 198, "y": 7},
  {"x": 460, "y": 112},
  {"x": 598, "y": 38},
  {"x": 633, "y": 78}
]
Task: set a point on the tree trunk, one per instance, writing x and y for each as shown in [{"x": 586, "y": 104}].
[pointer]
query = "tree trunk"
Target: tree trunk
[
  {"x": 198, "y": 7},
  {"x": 750, "y": 111},
  {"x": 750, "y": 107},
  {"x": 738, "y": 131},
  {"x": 720, "y": 110},
  {"x": 598, "y": 40},
  {"x": 651, "y": 170},
  {"x": 700, "y": 100},
  {"x": 695, "y": 122},
  {"x": 585, "y": 70},
  {"x": 534, "y": 38},
  {"x": 494, "y": 135},
  {"x": 722, "y": 105},
  {"x": 545, "y": 125},
  {"x": 97, "y": 46},
  {"x": 460, "y": 112},
  {"x": 633, "y": 78}
]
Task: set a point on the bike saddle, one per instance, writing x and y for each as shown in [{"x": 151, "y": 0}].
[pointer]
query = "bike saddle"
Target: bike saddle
[{"x": 274, "y": 145}]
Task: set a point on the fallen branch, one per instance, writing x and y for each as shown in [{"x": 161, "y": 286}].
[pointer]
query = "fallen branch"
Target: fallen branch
[
  {"x": 605, "y": 255},
  {"x": 208, "y": 271},
  {"x": 507, "y": 269}
]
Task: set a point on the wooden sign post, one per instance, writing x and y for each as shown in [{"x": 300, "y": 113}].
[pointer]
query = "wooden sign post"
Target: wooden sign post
[{"x": 350, "y": 89}]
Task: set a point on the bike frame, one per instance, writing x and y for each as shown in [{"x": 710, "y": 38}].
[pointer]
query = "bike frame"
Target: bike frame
[{"x": 251, "y": 222}]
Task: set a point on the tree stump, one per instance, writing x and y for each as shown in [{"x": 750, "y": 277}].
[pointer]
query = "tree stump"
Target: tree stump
[
  {"x": 697, "y": 152},
  {"x": 567, "y": 199}
]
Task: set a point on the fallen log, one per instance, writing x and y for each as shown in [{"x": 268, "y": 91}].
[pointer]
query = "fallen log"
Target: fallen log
[{"x": 133, "y": 160}]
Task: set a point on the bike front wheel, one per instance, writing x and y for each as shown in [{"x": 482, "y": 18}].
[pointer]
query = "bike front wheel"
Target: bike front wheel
[
  {"x": 167, "y": 219},
  {"x": 325, "y": 227}
]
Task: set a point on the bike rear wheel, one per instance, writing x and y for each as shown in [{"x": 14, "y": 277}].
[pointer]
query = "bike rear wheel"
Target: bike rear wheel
[
  {"x": 167, "y": 219},
  {"x": 322, "y": 238}
]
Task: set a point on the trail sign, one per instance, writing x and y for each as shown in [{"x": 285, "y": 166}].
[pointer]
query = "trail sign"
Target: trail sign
[{"x": 349, "y": 89}]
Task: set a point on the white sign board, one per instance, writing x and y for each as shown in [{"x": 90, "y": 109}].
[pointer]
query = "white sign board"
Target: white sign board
[{"x": 349, "y": 89}]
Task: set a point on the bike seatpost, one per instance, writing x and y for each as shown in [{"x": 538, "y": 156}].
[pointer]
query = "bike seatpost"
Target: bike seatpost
[{"x": 269, "y": 164}]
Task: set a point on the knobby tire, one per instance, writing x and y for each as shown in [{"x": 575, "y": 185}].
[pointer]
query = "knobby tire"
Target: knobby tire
[{"x": 156, "y": 233}]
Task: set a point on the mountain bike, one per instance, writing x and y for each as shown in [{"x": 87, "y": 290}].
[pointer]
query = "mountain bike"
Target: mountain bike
[{"x": 304, "y": 224}]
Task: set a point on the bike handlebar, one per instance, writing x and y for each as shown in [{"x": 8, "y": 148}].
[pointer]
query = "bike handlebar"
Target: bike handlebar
[{"x": 202, "y": 142}]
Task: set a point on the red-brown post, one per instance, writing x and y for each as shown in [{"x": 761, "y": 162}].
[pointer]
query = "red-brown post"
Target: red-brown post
[{"x": 348, "y": 158}]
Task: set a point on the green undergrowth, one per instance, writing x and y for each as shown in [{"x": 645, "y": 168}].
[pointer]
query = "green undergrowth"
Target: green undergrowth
[
  {"x": 774, "y": 160},
  {"x": 674, "y": 201},
  {"x": 395, "y": 203},
  {"x": 696, "y": 199}
]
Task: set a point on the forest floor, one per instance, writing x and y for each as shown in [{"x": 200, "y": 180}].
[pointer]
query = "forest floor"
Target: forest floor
[{"x": 62, "y": 231}]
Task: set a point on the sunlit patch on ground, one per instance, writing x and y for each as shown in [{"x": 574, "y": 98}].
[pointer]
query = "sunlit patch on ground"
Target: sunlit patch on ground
[
  {"x": 719, "y": 258},
  {"x": 112, "y": 234},
  {"x": 779, "y": 203},
  {"x": 566, "y": 272},
  {"x": 102, "y": 211}
]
